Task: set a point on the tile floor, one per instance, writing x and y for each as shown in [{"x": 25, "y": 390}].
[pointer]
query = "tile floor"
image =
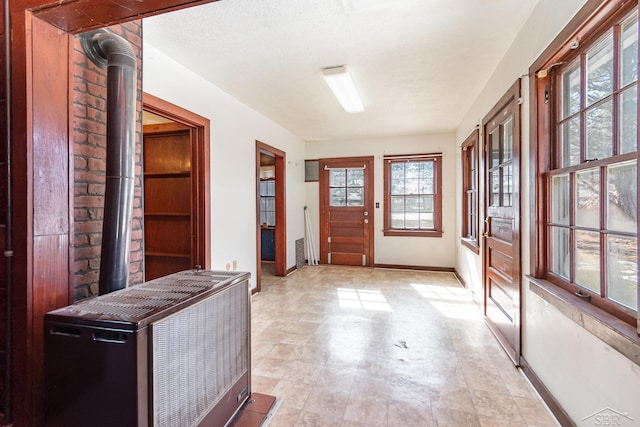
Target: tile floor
[{"x": 350, "y": 346}]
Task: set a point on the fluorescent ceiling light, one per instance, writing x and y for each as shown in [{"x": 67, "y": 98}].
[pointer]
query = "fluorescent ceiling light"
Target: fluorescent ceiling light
[{"x": 342, "y": 86}]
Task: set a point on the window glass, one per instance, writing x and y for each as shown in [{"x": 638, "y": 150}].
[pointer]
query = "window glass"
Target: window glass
[
  {"x": 623, "y": 270},
  {"x": 346, "y": 187},
  {"x": 622, "y": 213},
  {"x": 600, "y": 70},
  {"x": 588, "y": 260},
  {"x": 628, "y": 122},
  {"x": 629, "y": 50},
  {"x": 560, "y": 256},
  {"x": 600, "y": 131},
  {"x": 560, "y": 199},
  {"x": 570, "y": 141},
  {"x": 412, "y": 193},
  {"x": 588, "y": 198},
  {"x": 571, "y": 90}
]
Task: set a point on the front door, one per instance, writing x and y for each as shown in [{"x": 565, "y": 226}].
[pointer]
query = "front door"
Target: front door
[
  {"x": 346, "y": 215},
  {"x": 502, "y": 222}
]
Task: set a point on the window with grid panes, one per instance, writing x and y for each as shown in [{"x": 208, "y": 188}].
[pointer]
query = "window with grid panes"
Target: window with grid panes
[
  {"x": 470, "y": 191},
  {"x": 413, "y": 199},
  {"x": 591, "y": 223},
  {"x": 268, "y": 202}
]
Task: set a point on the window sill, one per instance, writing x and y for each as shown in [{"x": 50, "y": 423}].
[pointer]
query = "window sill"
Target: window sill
[
  {"x": 471, "y": 244},
  {"x": 413, "y": 233},
  {"x": 609, "y": 329}
]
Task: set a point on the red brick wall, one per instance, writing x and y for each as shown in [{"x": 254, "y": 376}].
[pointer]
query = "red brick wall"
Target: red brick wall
[{"x": 89, "y": 161}]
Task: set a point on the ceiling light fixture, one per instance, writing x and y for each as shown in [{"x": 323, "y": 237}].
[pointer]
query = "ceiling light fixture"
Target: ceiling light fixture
[{"x": 341, "y": 84}]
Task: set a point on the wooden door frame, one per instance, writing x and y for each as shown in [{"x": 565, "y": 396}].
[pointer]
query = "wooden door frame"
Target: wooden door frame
[
  {"x": 200, "y": 166},
  {"x": 281, "y": 212},
  {"x": 33, "y": 99},
  {"x": 512, "y": 95},
  {"x": 368, "y": 160}
]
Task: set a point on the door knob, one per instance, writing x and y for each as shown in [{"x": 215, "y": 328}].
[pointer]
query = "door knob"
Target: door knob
[
  {"x": 486, "y": 234},
  {"x": 366, "y": 221}
]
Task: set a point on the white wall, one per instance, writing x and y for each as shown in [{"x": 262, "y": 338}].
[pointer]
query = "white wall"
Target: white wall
[
  {"x": 234, "y": 131},
  {"x": 407, "y": 251},
  {"x": 584, "y": 374}
]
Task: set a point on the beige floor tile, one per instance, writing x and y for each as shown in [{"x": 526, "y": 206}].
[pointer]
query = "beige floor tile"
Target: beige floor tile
[
  {"x": 429, "y": 361},
  {"x": 534, "y": 412},
  {"x": 302, "y": 372},
  {"x": 402, "y": 414},
  {"x": 453, "y": 418},
  {"x": 496, "y": 406},
  {"x": 366, "y": 410},
  {"x": 327, "y": 401},
  {"x": 292, "y": 394},
  {"x": 264, "y": 385},
  {"x": 285, "y": 417}
]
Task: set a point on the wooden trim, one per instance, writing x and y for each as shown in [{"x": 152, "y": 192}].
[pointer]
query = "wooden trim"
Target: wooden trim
[
  {"x": 437, "y": 230},
  {"x": 473, "y": 141},
  {"x": 460, "y": 279},
  {"x": 200, "y": 130},
  {"x": 509, "y": 101},
  {"x": 416, "y": 267},
  {"x": 281, "y": 213},
  {"x": 554, "y": 406},
  {"x": 291, "y": 270},
  {"x": 593, "y": 21},
  {"x": 83, "y": 15},
  {"x": 608, "y": 328}
]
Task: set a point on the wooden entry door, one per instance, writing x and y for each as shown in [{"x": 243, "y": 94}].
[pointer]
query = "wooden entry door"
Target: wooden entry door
[
  {"x": 501, "y": 256},
  {"x": 346, "y": 211}
]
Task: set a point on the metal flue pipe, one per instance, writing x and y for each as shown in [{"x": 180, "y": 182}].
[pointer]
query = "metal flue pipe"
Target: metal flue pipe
[{"x": 114, "y": 53}]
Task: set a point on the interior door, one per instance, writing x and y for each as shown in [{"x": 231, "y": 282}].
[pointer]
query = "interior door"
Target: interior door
[
  {"x": 346, "y": 215},
  {"x": 502, "y": 292}
]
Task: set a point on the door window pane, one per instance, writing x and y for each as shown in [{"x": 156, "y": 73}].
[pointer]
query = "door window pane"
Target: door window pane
[
  {"x": 560, "y": 199},
  {"x": 507, "y": 185},
  {"x": 588, "y": 198},
  {"x": 629, "y": 120},
  {"x": 355, "y": 196},
  {"x": 337, "y": 197},
  {"x": 600, "y": 132},
  {"x": 494, "y": 146},
  {"x": 600, "y": 70},
  {"x": 355, "y": 177},
  {"x": 560, "y": 257},
  {"x": 507, "y": 140},
  {"x": 622, "y": 277},
  {"x": 622, "y": 206},
  {"x": 495, "y": 188},
  {"x": 337, "y": 177},
  {"x": 588, "y": 260},
  {"x": 571, "y": 90},
  {"x": 629, "y": 50}
]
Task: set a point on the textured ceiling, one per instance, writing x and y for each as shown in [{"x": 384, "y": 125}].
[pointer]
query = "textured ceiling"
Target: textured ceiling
[{"x": 418, "y": 64}]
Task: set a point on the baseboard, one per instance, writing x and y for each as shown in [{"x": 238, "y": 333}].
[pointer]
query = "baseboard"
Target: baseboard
[
  {"x": 291, "y": 270},
  {"x": 460, "y": 279},
  {"x": 554, "y": 406},
  {"x": 415, "y": 267}
]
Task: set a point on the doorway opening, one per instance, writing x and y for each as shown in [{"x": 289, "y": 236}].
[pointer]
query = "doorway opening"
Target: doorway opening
[
  {"x": 176, "y": 188},
  {"x": 271, "y": 239}
]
